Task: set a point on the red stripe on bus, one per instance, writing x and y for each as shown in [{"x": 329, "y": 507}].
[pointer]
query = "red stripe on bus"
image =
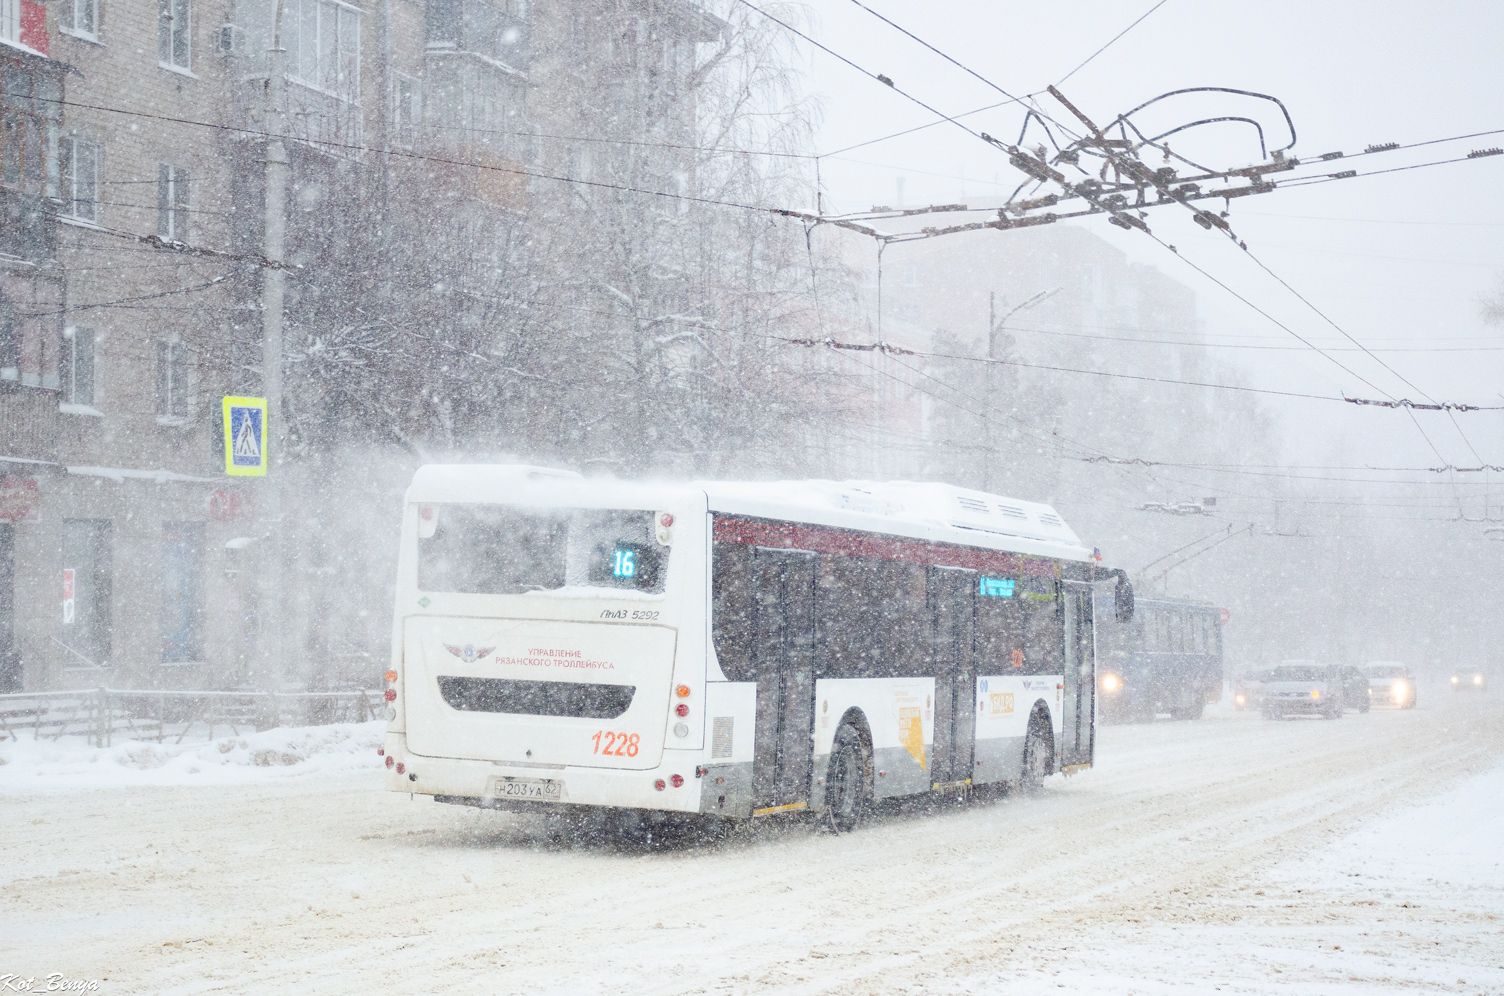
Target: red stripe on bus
[{"x": 820, "y": 539}]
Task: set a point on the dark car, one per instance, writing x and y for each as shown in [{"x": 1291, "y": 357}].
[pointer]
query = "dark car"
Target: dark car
[
  {"x": 1469, "y": 681},
  {"x": 1354, "y": 688},
  {"x": 1248, "y": 689},
  {"x": 1391, "y": 684}
]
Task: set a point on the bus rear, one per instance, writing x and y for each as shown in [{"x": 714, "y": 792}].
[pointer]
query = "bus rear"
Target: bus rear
[{"x": 549, "y": 641}]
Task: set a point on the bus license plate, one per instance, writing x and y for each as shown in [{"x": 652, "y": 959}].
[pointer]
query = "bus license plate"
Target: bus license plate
[{"x": 540, "y": 789}]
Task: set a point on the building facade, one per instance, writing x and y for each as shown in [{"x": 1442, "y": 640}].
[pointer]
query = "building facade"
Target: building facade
[{"x": 133, "y": 292}]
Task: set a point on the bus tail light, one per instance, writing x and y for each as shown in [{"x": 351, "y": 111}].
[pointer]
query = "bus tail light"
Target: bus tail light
[
  {"x": 682, "y": 691},
  {"x": 391, "y": 677},
  {"x": 681, "y": 710},
  {"x": 390, "y": 760},
  {"x": 677, "y": 781},
  {"x": 659, "y": 784},
  {"x": 401, "y": 767},
  {"x": 391, "y": 695}
]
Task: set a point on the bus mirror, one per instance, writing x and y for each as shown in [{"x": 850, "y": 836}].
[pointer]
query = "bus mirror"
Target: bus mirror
[
  {"x": 428, "y": 521},
  {"x": 1122, "y": 598}
]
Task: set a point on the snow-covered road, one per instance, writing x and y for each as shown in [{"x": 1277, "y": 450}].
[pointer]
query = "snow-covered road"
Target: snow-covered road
[{"x": 1231, "y": 854}]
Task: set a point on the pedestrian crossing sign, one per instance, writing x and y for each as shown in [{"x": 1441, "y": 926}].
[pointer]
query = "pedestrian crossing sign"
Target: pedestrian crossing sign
[{"x": 245, "y": 437}]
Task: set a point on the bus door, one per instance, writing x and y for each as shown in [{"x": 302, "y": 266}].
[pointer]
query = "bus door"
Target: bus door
[
  {"x": 950, "y": 602},
  {"x": 783, "y": 639},
  {"x": 1076, "y": 704}
]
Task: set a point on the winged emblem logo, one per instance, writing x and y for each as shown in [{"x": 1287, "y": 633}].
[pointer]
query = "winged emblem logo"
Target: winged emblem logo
[{"x": 469, "y": 653}]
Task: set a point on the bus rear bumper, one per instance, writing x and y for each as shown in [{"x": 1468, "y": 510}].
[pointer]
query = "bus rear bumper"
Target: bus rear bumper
[{"x": 488, "y": 783}]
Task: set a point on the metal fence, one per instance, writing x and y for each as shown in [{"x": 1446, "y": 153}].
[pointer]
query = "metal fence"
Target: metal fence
[{"x": 105, "y": 714}]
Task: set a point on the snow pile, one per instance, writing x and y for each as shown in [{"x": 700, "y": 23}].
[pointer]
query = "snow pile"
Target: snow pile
[{"x": 29, "y": 767}]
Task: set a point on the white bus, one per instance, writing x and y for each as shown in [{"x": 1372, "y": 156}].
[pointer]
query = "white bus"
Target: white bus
[{"x": 731, "y": 649}]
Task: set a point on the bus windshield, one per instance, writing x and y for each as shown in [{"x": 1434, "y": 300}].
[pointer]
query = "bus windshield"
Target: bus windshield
[{"x": 505, "y": 550}]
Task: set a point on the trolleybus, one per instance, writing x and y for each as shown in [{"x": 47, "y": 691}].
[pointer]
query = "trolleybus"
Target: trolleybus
[
  {"x": 731, "y": 649},
  {"x": 1166, "y": 658}
]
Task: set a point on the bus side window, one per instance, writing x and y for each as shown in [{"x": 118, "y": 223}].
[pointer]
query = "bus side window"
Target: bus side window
[
  {"x": 1040, "y": 604},
  {"x": 906, "y": 625},
  {"x": 997, "y": 634},
  {"x": 847, "y": 616},
  {"x": 731, "y": 609}
]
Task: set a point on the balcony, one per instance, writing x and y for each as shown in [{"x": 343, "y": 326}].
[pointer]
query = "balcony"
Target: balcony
[
  {"x": 493, "y": 33},
  {"x": 28, "y": 226}
]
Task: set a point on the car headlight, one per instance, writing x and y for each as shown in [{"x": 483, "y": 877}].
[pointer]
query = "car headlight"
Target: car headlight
[
  {"x": 1315, "y": 695},
  {"x": 1240, "y": 698},
  {"x": 1398, "y": 691},
  {"x": 1110, "y": 683},
  {"x": 1477, "y": 679},
  {"x": 1454, "y": 679}
]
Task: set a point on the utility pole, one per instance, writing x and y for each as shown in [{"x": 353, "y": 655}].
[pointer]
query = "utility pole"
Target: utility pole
[
  {"x": 273, "y": 286},
  {"x": 993, "y": 324}
]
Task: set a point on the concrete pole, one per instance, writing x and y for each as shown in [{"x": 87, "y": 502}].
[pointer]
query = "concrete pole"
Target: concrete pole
[
  {"x": 988, "y": 415},
  {"x": 274, "y": 278}
]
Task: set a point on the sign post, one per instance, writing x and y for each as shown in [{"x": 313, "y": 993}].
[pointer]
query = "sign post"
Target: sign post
[
  {"x": 245, "y": 437},
  {"x": 247, "y": 432}
]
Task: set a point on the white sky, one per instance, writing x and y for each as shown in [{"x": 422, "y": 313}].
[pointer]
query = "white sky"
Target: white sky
[{"x": 1397, "y": 261}]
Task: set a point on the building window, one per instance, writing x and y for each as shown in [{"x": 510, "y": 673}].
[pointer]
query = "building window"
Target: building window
[
  {"x": 81, "y": 17},
  {"x": 80, "y": 193},
  {"x": 10, "y": 20},
  {"x": 172, "y": 202},
  {"x": 407, "y": 111},
  {"x": 323, "y": 45},
  {"x": 77, "y": 366},
  {"x": 86, "y": 592},
  {"x": 24, "y": 22},
  {"x": 172, "y": 380},
  {"x": 175, "y": 34},
  {"x": 10, "y": 345},
  {"x": 182, "y": 592}
]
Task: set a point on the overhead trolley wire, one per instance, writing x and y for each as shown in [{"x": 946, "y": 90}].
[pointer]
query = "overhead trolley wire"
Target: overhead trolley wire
[
  {"x": 891, "y": 349},
  {"x": 446, "y": 161},
  {"x": 888, "y": 82},
  {"x": 1110, "y": 43}
]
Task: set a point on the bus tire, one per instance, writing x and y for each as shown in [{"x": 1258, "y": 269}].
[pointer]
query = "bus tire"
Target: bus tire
[
  {"x": 847, "y": 780},
  {"x": 1039, "y": 753}
]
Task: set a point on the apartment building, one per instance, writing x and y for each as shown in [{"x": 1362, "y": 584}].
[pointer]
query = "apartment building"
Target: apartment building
[{"x": 132, "y": 283}]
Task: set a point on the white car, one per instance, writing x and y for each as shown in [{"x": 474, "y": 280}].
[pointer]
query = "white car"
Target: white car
[
  {"x": 1390, "y": 683},
  {"x": 1303, "y": 688}
]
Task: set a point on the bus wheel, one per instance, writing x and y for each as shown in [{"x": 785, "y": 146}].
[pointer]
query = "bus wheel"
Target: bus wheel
[
  {"x": 1038, "y": 747},
  {"x": 846, "y": 780}
]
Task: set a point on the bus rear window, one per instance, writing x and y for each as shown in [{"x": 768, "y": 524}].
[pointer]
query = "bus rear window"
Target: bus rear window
[{"x": 504, "y": 550}]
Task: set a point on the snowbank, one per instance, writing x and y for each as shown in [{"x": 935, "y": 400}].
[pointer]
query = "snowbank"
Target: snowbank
[{"x": 32, "y": 767}]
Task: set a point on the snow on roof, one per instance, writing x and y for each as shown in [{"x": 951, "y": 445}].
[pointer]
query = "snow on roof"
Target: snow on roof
[
  {"x": 929, "y": 511},
  {"x": 924, "y": 510}
]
